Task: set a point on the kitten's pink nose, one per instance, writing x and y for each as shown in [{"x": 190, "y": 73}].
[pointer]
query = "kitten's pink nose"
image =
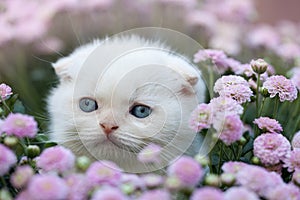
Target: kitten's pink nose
[{"x": 108, "y": 127}]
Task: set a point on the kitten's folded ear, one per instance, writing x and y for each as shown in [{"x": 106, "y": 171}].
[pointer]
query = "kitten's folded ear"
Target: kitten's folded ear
[
  {"x": 188, "y": 73},
  {"x": 61, "y": 68}
]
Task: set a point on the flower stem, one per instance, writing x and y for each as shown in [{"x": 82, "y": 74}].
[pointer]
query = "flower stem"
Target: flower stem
[
  {"x": 3, "y": 182},
  {"x": 220, "y": 157},
  {"x": 257, "y": 94},
  {"x": 276, "y": 108},
  {"x": 261, "y": 106}
]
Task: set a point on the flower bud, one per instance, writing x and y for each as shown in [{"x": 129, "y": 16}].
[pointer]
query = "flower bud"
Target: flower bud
[
  {"x": 5, "y": 195},
  {"x": 202, "y": 160},
  {"x": 83, "y": 163},
  {"x": 33, "y": 151},
  {"x": 127, "y": 188},
  {"x": 259, "y": 66},
  {"x": 228, "y": 179},
  {"x": 10, "y": 141},
  {"x": 242, "y": 141},
  {"x": 264, "y": 92},
  {"x": 212, "y": 180},
  {"x": 173, "y": 183},
  {"x": 255, "y": 160}
]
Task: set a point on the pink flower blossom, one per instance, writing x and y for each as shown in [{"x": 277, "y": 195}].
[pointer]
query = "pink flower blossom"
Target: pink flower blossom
[
  {"x": 108, "y": 193},
  {"x": 134, "y": 180},
  {"x": 207, "y": 193},
  {"x": 155, "y": 194},
  {"x": 263, "y": 36},
  {"x": 267, "y": 124},
  {"x": 20, "y": 125},
  {"x": 233, "y": 167},
  {"x": 283, "y": 191},
  {"x": 288, "y": 51},
  {"x": 150, "y": 154},
  {"x": 240, "y": 193},
  {"x": 5, "y": 91},
  {"x": 257, "y": 179},
  {"x": 292, "y": 160},
  {"x": 296, "y": 140},
  {"x": 230, "y": 130},
  {"x": 7, "y": 159},
  {"x": 21, "y": 176},
  {"x": 295, "y": 77},
  {"x": 152, "y": 180},
  {"x": 56, "y": 158},
  {"x": 191, "y": 174},
  {"x": 223, "y": 106},
  {"x": 234, "y": 87},
  {"x": 78, "y": 186},
  {"x": 282, "y": 86},
  {"x": 201, "y": 117},
  {"x": 218, "y": 58},
  {"x": 47, "y": 187},
  {"x": 104, "y": 172},
  {"x": 271, "y": 148}
]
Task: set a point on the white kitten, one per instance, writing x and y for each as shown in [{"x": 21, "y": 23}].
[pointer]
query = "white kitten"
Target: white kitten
[{"x": 117, "y": 95}]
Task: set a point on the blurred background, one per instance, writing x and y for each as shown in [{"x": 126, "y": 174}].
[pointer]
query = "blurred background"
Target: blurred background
[{"x": 35, "y": 33}]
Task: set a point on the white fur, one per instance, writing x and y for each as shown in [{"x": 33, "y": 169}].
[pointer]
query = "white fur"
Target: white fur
[{"x": 118, "y": 73}]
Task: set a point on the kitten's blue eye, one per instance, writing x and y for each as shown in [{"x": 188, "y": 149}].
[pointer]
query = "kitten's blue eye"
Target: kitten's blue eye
[
  {"x": 140, "y": 111},
  {"x": 88, "y": 105}
]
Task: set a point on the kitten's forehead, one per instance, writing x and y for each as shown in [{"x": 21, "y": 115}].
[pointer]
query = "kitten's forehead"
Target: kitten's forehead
[{"x": 128, "y": 72}]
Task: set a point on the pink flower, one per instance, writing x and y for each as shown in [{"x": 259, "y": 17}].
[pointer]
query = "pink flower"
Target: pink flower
[
  {"x": 133, "y": 180},
  {"x": 56, "y": 158},
  {"x": 284, "y": 191},
  {"x": 271, "y": 148},
  {"x": 263, "y": 36},
  {"x": 104, "y": 172},
  {"x": 20, "y": 125},
  {"x": 152, "y": 180},
  {"x": 201, "y": 117},
  {"x": 155, "y": 194},
  {"x": 187, "y": 170},
  {"x": 240, "y": 193},
  {"x": 5, "y": 91},
  {"x": 47, "y": 187},
  {"x": 288, "y": 51},
  {"x": 207, "y": 193},
  {"x": 150, "y": 154},
  {"x": 257, "y": 179},
  {"x": 217, "y": 57},
  {"x": 7, "y": 159},
  {"x": 296, "y": 140},
  {"x": 230, "y": 130},
  {"x": 21, "y": 176},
  {"x": 295, "y": 77},
  {"x": 282, "y": 86},
  {"x": 292, "y": 160},
  {"x": 233, "y": 167},
  {"x": 267, "y": 124},
  {"x": 234, "y": 87},
  {"x": 108, "y": 193},
  {"x": 78, "y": 186},
  {"x": 223, "y": 106}
]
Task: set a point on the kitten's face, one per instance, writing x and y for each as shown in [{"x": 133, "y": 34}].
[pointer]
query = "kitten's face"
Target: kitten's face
[{"x": 111, "y": 110}]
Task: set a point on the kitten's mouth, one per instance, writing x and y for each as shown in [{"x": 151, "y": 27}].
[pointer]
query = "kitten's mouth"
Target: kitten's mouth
[{"x": 113, "y": 141}]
